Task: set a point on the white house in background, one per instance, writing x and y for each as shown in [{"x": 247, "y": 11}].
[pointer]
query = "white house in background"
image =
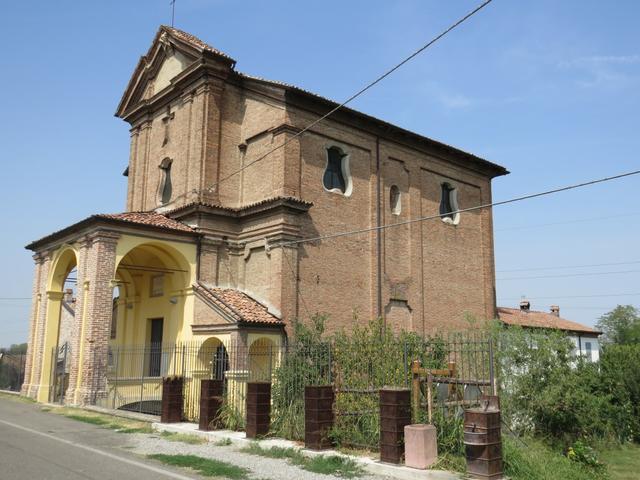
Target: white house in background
[{"x": 585, "y": 338}]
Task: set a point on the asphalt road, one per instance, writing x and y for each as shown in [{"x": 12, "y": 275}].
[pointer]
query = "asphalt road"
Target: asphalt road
[{"x": 36, "y": 445}]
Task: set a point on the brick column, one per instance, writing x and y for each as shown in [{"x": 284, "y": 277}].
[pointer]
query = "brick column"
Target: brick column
[
  {"x": 208, "y": 271},
  {"x": 82, "y": 289},
  {"x": 33, "y": 324},
  {"x": 96, "y": 316},
  {"x": 40, "y": 312}
]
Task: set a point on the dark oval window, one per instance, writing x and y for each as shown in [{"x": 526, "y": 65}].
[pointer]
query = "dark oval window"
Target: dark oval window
[{"x": 334, "y": 178}]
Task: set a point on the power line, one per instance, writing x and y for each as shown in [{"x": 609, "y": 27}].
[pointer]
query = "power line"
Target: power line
[
  {"x": 599, "y": 295},
  {"x": 591, "y": 274},
  {"x": 592, "y": 219},
  {"x": 569, "y": 266},
  {"x": 348, "y": 100},
  {"x": 15, "y": 298},
  {"x": 463, "y": 210}
]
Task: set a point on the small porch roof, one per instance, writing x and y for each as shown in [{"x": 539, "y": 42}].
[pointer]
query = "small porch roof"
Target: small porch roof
[
  {"x": 237, "y": 306},
  {"x": 139, "y": 220}
]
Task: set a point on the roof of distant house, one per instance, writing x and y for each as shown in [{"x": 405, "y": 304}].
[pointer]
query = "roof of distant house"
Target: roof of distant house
[{"x": 535, "y": 319}]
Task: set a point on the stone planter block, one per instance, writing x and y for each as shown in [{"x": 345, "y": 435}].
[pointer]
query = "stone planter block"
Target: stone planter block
[{"x": 420, "y": 446}]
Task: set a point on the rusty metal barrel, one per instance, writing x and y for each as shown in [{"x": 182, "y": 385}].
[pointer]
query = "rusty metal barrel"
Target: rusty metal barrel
[
  {"x": 258, "y": 409},
  {"x": 318, "y": 416},
  {"x": 395, "y": 414},
  {"x": 172, "y": 400},
  {"x": 211, "y": 395},
  {"x": 482, "y": 440}
]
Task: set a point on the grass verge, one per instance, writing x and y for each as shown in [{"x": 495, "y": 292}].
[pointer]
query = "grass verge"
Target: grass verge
[
  {"x": 183, "y": 437},
  {"x": 120, "y": 425},
  {"x": 16, "y": 398},
  {"x": 225, "y": 442},
  {"x": 537, "y": 461},
  {"x": 623, "y": 462},
  {"x": 323, "y": 464},
  {"x": 204, "y": 466}
]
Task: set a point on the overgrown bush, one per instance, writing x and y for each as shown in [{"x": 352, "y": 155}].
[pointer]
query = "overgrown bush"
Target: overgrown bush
[
  {"x": 358, "y": 363},
  {"x": 307, "y": 362},
  {"x": 548, "y": 392},
  {"x": 620, "y": 380}
]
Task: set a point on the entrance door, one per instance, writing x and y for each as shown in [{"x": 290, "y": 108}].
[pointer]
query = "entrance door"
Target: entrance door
[{"x": 155, "y": 351}]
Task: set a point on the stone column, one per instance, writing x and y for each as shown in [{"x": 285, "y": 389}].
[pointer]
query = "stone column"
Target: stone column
[
  {"x": 33, "y": 325},
  {"x": 40, "y": 312},
  {"x": 96, "y": 317}
]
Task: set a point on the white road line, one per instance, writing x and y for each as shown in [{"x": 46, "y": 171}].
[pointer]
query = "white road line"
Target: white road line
[{"x": 100, "y": 452}]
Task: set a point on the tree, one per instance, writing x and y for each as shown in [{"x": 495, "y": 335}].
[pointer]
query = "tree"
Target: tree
[{"x": 621, "y": 325}]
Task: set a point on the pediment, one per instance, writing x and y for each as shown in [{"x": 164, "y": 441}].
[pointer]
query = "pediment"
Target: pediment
[{"x": 171, "y": 53}]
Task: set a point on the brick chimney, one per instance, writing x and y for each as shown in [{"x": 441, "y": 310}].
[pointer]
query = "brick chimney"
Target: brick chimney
[
  {"x": 525, "y": 305},
  {"x": 555, "y": 310}
]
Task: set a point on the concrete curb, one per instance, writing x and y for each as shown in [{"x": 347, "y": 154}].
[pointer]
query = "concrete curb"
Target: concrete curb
[
  {"x": 370, "y": 465},
  {"x": 11, "y": 392},
  {"x": 141, "y": 417}
]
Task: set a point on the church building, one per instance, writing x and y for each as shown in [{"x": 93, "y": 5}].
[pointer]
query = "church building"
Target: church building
[{"x": 223, "y": 191}]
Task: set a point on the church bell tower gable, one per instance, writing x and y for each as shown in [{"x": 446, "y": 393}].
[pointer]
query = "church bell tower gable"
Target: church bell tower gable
[{"x": 173, "y": 103}]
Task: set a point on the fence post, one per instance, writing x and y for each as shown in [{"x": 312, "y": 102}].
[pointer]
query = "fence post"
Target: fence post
[
  {"x": 144, "y": 354},
  {"x": 64, "y": 373},
  {"x": 415, "y": 392},
  {"x": 395, "y": 414},
  {"x": 115, "y": 383},
  {"x": 492, "y": 377},
  {"x": 318, "y": 416},
  {"x": 258, "y": 409}
]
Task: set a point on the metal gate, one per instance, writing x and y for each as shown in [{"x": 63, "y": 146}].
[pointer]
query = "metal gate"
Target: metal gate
[{"x": 59, "y": 373}]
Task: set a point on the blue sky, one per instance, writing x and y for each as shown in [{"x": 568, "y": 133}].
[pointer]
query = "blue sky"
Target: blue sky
[{"x": 548, "y": 89}]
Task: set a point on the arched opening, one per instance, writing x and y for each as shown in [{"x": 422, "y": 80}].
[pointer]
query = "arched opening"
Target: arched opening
[
  {"x": 262, "y": 359},
  {"x": 213, "y": 358},
  {"x": 148, "y": 309},
  {"x": 59, "y": 325},
  {"x": 149, "y": 301}
]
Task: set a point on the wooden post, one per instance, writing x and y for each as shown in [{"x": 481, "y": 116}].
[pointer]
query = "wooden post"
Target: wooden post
[
  {"x": 429, "y": 399},
  {"x": 415, "y": 389}
]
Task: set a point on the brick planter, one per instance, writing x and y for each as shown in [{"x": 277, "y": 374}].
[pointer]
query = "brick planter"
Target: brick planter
[
  {"x": 395, "y": 414},
  {"x": 172, "y": 400},
  {"x": 211, "y": 395},
  {"x": 258, "y": 409},
  {"x": 318, "y": 416}
]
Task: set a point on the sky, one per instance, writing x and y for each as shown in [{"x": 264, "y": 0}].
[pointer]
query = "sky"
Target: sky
[{"x": 548, "y": 89}]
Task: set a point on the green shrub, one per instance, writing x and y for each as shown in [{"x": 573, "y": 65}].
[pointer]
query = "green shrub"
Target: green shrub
[{"x": 548, "y": 392}]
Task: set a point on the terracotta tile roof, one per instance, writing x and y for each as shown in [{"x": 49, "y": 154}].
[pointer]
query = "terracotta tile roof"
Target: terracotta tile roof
[
  {"x": 194, "y": 41},
  {"x": 238, "y": 305},
  {"x": 259, "y": 203},
  {"x": 436, "y": 143},
  {"x": 535, "y": 319},
  {"x": 148, "y": 218}
]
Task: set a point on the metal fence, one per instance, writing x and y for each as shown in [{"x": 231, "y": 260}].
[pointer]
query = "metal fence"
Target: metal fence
[
  {"x": 357, "y": 372},
  {"x": 135, "y": 373},
  {"x": 12, "y": 367}
]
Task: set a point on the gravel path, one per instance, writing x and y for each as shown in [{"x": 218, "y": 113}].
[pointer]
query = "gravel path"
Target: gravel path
[{"x": 261, "y": 467}]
